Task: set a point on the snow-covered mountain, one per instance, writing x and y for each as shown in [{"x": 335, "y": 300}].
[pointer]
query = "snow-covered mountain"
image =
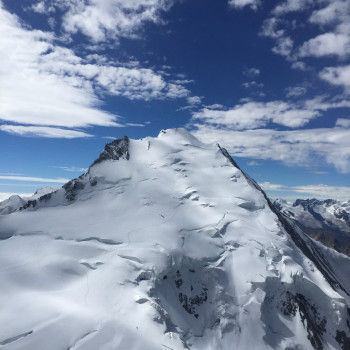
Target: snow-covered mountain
[
  {"x": 15, "y": 202},
  {"x": 328, "y": 221},
  {"x": 164, "y": 243}
]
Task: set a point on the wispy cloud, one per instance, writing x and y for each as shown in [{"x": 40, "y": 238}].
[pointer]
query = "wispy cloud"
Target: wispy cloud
[
  {"x": 33, "y": 179},
  {"x": 337, "y": 76},
  {"x": 101, "y": 21},
  {"x": 240, "y": 4},
  {"x": 305, "y": 147},
  {"x": 253, "y": 163},
  {"x": 318, "y": 190},
  {"x": 252, "y": 115},
  {"x": 43, "y": 131},
  {"x": 72, "y": 169},
  {"x": 251, "y": 72},
  {"x": 40, "y": 78}
]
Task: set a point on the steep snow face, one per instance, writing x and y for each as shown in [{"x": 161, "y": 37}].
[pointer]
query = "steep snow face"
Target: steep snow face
[
  {"x": 327, "y": 221},
  {"x": 165, "y": 243}
]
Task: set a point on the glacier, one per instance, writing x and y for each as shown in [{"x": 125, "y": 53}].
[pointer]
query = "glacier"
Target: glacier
[{"x": 164, "y": 243}]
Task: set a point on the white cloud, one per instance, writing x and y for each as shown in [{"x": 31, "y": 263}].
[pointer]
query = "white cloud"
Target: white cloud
[
  {"x": 283, "y": 47},
  {"x": 318, "y": 190},
  {"x": 270, "y": 28},
  {"x": 344, "y": 123},
  {"x": 251, "y": 72},
  {"x": 337, "y": 76},
  {"x": 298, "y": 147},
  {"x": 252, "y": 115},
  {"x": 32, "y": 95},
  {"x": 300, "y": 65},
  {"x": 103, "y": 20},
  {"x": 239, "y": 4},
  {"x": 44, "y": 84},
  {"x": 33, "y": 179},
  {"x": 325, "y": 45},
  {"x": 295, "y": 91},
  {"x": 72, "y": 169},
  {"x": 253, "y": 163},
  {"x": 332, "y": 13},
  {"x": 252, "y": 84},
  {"x": 194, "y": 100},
  {"x": 332, "y": 17},
  {"x": 288, "y": 6},
  {"x": 43, "y": 131}
]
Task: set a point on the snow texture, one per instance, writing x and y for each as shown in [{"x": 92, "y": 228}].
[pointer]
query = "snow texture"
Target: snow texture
[{"x": 164, "y": 243}]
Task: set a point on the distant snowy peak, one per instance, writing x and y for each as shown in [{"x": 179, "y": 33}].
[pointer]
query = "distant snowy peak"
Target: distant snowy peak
[
  {"x": 42, "y": 192},
  {"x": 327, "y": 221},
  {"x": 16, "y": 202},
  {"x": 11, "y": 204},
  {"x": 318, "y": 213}
]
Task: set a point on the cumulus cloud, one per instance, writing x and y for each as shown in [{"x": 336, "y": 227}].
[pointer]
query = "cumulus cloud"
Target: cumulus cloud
[
  {"x": 32, "y": 95},
  {"x": 345, "y": 123},
  {"x": 252, "y": 115},
  {"x": 252, "y": 84},
  {"x": 296, "y": 147},
  {"x": 102, "y": 20},
  {"x": 44, "y": 84},
  {"x": 326, "y": 45},
  {"x": 337, "y": 76},
  {"x": 240, "y": 4},
  {"x": 194, "y": 100},
  {"x": 251, "y": 72},
  {"x": 332, "y": 13},
  {"x": 288, "y": 6},
  {"x": 295, "y": 91},
  {"x": 270, "y": 28},
  {"x": 284, "y": 47},
  {"x": 330, "y": 18}
]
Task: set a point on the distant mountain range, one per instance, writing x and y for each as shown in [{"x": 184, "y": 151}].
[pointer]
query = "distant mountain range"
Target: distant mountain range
[{"x": 327, "y": 221}]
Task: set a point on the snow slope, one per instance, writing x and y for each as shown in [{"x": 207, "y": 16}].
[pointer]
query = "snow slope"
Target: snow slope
[{"x": 165, "y": 244}]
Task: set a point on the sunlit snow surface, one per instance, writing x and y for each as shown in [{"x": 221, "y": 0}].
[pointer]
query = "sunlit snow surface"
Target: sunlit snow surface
[{"x": 171, "y": 249}]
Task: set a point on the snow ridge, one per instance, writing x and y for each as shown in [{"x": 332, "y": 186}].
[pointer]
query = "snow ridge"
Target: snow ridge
[{"x": 166, "y": 243}]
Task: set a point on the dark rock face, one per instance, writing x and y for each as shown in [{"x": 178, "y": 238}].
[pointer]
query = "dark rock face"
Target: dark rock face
[
  {"x": 72, "y": 188},
  {"x": 313, "y": 322},
  {"x": 114, "y": 151}
]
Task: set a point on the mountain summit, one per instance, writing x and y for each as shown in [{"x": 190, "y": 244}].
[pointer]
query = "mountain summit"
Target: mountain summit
[{"x": 164, "y": 243}]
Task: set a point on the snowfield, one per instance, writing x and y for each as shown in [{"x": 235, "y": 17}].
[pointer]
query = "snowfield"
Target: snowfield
[{"x": 165, "y": 244}]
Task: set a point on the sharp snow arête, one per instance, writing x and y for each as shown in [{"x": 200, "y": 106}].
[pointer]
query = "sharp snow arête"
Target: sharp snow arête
[{"x": 164, "y": 243}]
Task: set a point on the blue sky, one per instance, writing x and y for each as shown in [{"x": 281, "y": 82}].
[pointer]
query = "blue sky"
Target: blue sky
[{"x": 268, "y": 80}]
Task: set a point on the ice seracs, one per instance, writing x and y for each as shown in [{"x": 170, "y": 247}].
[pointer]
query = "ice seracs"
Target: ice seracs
[{"x": 166, "y": 243}]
